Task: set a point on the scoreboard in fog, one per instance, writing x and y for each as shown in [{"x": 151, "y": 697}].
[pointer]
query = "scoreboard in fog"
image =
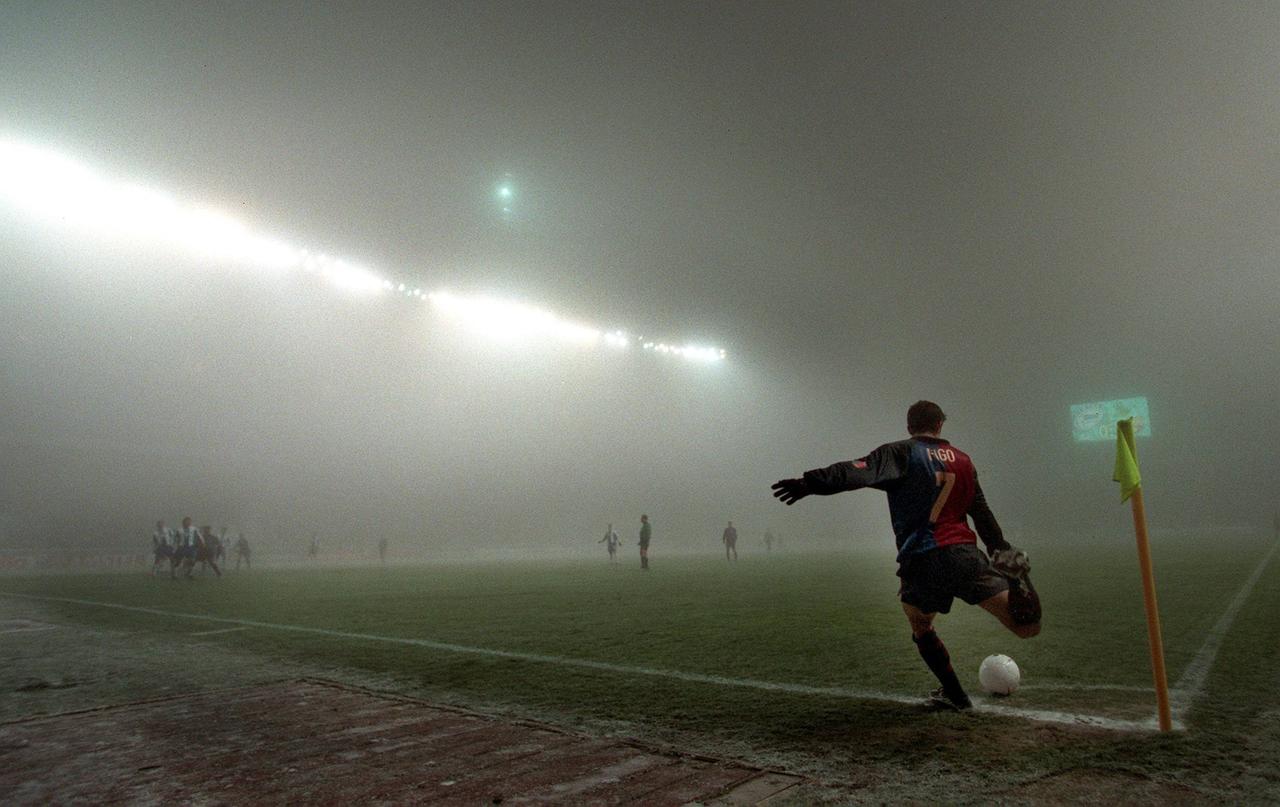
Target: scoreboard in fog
[{"x": 1092, "y": 422}]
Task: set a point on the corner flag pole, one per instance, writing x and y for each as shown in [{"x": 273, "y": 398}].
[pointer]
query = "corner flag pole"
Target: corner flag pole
[{"x": 1127, "y": 475}]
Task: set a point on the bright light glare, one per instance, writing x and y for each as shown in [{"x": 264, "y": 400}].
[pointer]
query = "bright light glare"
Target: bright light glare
[
  {"x": 691, "y": 352},
  {"x": 54, "y": 187},
  {"x": 51, "y": 186},
  {"x": 508, "y": 321}
]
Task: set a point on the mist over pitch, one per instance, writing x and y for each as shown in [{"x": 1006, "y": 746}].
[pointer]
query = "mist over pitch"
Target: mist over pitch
[{"x": 1064, "y": 219}]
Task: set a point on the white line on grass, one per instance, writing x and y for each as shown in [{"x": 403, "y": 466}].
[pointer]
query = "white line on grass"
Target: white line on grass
[
  {"x": 1191, "y": 683},
  {"x": 1069, "y": 687},
  {"x": 29, "y": 630},
  {"x": 1038, "y": 715},
  {"x": 219, "y": 630}
]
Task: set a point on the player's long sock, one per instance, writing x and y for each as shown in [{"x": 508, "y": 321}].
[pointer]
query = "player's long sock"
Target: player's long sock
[
  {"x": 1024, "y": 602},
  {"x": 935, "y": 654}
]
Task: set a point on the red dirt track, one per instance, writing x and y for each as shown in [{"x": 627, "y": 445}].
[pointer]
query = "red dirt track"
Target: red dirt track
[{"x": 321, "y": 743}]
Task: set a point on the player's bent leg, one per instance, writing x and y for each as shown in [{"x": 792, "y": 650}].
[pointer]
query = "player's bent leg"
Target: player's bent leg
[
  {"x": 998, "y": 606},
  {"x": 1015, "y": 567},
  {"x": 1024, "y": 602}
]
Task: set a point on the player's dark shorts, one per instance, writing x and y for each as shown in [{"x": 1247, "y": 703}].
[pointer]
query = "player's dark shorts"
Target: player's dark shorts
[
  {"x": 930, "y": 581},
  {"x": 184, "y": 553},
  {"x": 163, "y": 552}
]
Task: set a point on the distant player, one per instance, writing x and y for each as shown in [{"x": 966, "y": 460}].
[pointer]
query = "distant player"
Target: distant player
[
  {"x": 161, "y": 547},
  {"x": 730, "y": 539},
  {"x": 208, "y": 551},
  {"x": 646, "y": 535},
  {"x": 768, "y": 540},
  {"x": 382, "y": 550},
  {"x": 933, "y": 490},
  {"x": 314, "y": 551},
  {"x": 242, "y": 551},
  {"x": 611, "y": 541},
  {"x": 187, "y": 544},
  {"x": 221, "y": 554}
]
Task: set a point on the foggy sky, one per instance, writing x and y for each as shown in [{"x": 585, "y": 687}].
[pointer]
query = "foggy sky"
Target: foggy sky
[{"x": 1005, "y": 208}]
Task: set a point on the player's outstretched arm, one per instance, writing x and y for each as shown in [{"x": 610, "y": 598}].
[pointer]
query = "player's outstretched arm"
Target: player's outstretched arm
[{"x": 885, "y": 465}]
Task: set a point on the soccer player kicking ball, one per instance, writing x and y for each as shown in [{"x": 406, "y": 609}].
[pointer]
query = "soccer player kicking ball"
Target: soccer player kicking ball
[{"x": 933, "y": 490}]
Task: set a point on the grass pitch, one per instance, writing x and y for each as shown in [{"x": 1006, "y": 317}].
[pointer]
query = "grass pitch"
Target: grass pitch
[{"x": 826, "y": 628}]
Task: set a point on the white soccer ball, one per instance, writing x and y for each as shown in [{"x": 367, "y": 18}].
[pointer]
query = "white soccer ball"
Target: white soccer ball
[{"x": 999, "y": 675}]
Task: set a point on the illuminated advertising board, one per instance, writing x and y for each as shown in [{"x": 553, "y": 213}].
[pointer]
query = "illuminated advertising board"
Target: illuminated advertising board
[{"x": 1093, "y": 422}]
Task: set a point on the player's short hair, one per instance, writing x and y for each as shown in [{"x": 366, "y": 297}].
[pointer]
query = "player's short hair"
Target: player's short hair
[{"x": 924, "y": 416}]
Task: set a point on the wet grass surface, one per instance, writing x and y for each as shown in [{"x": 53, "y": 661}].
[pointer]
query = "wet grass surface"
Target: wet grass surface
[{"x": 829, "y": 621}]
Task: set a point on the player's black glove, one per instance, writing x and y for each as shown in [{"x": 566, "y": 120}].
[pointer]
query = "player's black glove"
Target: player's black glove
[{"x": 790, "y": 491}]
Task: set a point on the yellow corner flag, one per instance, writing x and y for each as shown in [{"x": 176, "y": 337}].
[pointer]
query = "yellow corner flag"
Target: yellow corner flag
[
  {"x": 1126, "y": 472},
  {"x": 1130, "y": 480}
]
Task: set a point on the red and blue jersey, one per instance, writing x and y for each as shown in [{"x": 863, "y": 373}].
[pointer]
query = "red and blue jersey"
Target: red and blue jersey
[{"x": 932, "y": 488}]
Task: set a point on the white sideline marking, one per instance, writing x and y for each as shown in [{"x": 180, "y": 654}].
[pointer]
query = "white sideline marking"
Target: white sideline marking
[
  {"x": 1038, "y": 715},
  {"x": 1069, "y": 718},
  {"x": 28, "y": 630},
  {"x": 217, "y": 631},
  {"x": 1068, "y": 687},
  {"x": 1191, "y": 683}
]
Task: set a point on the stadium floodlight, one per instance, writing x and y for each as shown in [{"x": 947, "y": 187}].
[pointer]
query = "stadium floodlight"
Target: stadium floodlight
[
  {"x": 508, "y": 321},
  {"x": 54, "y": 187},
  {"x": 691, "y": 352}
]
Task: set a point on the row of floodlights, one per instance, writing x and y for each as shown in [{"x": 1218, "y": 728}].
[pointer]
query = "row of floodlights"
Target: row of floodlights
[{"x": 57, "y": 188}]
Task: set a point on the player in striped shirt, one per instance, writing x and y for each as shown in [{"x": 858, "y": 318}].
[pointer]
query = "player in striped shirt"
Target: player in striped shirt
[
  {"x": 186, "y": 547},
  {"x": 611, "y": 541},
  {"x": 161, "y": 547}
]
